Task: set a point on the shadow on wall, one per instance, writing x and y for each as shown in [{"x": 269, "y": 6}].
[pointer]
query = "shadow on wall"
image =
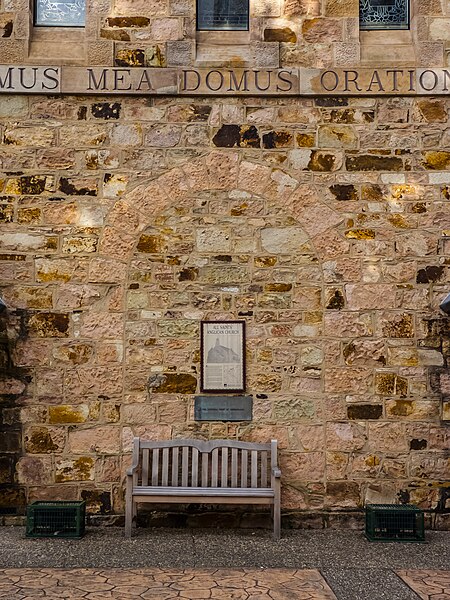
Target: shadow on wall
[
  {"x": 13, "y": 383},
  {"x": 438, "y": 338}
]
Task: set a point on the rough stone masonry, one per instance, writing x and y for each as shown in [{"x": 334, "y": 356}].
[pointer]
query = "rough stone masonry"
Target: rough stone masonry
[{"x": 321, "y": 221}]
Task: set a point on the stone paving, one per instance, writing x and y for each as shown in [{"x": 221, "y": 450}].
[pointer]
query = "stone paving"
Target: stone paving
[
  {"x": 164, "y": 584},
  {"x": 428, "y": 584},
  {"x": 193, "y": 584}
]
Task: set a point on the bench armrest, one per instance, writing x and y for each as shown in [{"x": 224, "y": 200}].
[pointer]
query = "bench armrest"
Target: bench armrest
[
  {"x": 132, "y": 470},
  {"x": 276, "y": 472}
]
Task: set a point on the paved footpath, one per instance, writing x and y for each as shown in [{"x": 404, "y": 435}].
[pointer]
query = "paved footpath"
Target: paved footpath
[
  {"x": 164, "y": 584},
  {"x": 193, "y": 584},
  {"x": 162, "y": 564}
]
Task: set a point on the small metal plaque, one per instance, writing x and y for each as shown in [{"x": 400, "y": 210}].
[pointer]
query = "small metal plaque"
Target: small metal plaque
[{"x": 223, "y": 408}]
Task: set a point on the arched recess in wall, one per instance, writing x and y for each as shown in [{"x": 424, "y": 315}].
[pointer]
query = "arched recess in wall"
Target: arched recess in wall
[{"x": 223, "y": 238}]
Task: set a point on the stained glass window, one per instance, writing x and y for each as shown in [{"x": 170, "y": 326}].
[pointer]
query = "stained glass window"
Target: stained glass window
[
  {"x": 60, "y": 13},
  {"x": 222, "y": 15},
  {"x": 383, "y": 14}
]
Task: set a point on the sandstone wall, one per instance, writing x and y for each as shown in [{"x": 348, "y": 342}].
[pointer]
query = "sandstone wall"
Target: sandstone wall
[
  {"x": 307, "y": 33},
  {"x": 323, "y": 223}
]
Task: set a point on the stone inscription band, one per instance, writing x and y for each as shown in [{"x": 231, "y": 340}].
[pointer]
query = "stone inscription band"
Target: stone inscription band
[{"x": 223, "y": 82}]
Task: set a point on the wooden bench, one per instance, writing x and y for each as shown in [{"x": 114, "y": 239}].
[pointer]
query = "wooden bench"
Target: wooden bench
[{"x": 194, "y": 471}]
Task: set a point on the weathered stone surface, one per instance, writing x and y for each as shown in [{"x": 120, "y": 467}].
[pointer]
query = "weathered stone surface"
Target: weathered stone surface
[
  {"x": 46, "y": 324},
  {"x": 44, "y": 440},
  {"x": 346, "y": 436},
  {"x": 390, "y": 384},
  {"x": 363, "y": 297},
  {"x": 104, "y": 440},
  {"x": 362, "y": 412},
  {"x": 374, "y": 163},
  {"x": 169, "y": 383},
  {"x": 320, "y": 221},
  {"x": 282, "y": 34},
  {"x": 348, "y": 380},
  {"x": 282, "y": 241},
  {"x": 68, "y": 414},
  {"x": 79, "y": 469},
  {"x": 32, "y": 470},
  {"x": 300, "y": 466},
  {"x": 337, "y": 136},
  {"x": 315, "y": 29},
  {"x": 103, "y": 381}
]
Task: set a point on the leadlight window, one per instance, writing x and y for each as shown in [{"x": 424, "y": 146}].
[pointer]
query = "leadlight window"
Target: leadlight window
[
  {"x": 384, "y": 14},
  {"x": 213, "y": 15},
  {"x": 60, "y": 13}
]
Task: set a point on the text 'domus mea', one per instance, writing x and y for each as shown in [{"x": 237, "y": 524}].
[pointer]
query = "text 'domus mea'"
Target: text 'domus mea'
[{"x": 187, "y": 81}]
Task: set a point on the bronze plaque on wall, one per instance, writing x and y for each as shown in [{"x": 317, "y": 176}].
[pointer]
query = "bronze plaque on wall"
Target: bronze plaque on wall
[{"x": 223, "y": 408}]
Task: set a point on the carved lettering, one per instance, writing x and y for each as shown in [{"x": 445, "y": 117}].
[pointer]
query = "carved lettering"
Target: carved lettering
[
  {"x": 394, "y": 72},
  {"x": 145, "y": 78},
  {"x": 184, "y": 87},
  {"x": 228, "y": 81},
  {"x": 208, "y": 78},
  {"x": 287, "y": 80},
  {"x": 22, "y": 71},
  {"x": 423, "y": 78},
  {"x": 351, "y": 77},
  {"x": 234, "y": 85},
  {"x": 333, "y": 86},
  {"x": 55, "y": 79},
  {"x": 93, "y": 83},
  {"x": 446, "y": 77},
  {"x": 375, "y": 79},
  {"x": 411, "y": 80},
  {"x": 7, "y": 78},
  {"x": 119, "y": 76},
  {"x": 258, "y": 87}
]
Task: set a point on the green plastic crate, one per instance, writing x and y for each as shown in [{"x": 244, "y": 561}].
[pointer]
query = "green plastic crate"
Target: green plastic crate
[
  {"x": 394, "y": 523},
  {"x": 56, "y": 518}
]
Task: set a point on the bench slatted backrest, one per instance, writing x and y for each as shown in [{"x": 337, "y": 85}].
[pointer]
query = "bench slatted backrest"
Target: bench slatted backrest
[{"x": 196, "y": 463}]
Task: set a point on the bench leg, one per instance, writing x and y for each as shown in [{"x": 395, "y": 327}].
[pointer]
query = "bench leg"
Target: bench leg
[
  {"x": 128, "y": 520},
  {"x": 277, "y": 511},
  {"x": 129, "y": 509}
]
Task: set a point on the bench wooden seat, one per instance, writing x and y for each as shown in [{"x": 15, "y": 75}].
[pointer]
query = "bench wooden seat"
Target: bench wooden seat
[{"x": 194, "y": 471}]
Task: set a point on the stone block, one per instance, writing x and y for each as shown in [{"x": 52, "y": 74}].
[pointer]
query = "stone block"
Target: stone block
[
  {"x": 303, "y": 466},
  {"x": 346, "y": 53},
  {"x": 65, "y": 413},
  {"x": 44, "y": 440},
  {"x": 79, "y": 469},
  {"x": 282, "y": 240},
  {"x": 180, "y": 53},
  {"x": 170, "y": 383},
  {"x": 387, "y": 437},
  {"x": 163, "y": 136},
  {"x": 265, "y": 54},
  {"x": 14, "y": 106},
  {"x": 341, "y": 8},
  {"x": 346, "y": 437},
  {"x": 140, "y": 7},
  {"x": 337, "y": 136},
  {"x": 364, "y": 297},
  {"x": 13, "y": 51},
  {"x": 103, "y": 440},
  {"x": 319, "y": 30},
  {"x": 103, "y": 381},
  {"x": 430, "y": 53},
  {"x": 32, "y": 470},
  {"x": 164, "y": 29},
  {"x": 40, "y": 137},
  {"x": 100, "y": 52},
  {"x": 267, "y": 8},
  {"x": 390, "y": 384},
  {"x": 348, "y": 380}
]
